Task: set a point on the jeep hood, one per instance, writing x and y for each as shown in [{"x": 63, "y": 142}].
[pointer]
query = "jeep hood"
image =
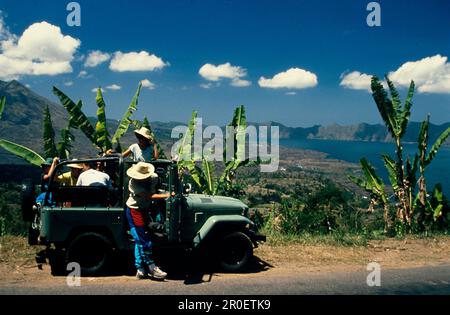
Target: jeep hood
[{"x": 206, "y": 202}]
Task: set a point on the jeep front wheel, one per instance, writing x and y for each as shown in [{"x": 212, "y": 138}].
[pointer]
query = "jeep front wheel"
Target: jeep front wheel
[
  {"x": 92, "y": 251},
  {"x": 234, "y": 252}
]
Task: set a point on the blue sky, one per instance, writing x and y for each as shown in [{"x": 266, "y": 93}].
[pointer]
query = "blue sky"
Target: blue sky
[{"x": 327, "y": 45}]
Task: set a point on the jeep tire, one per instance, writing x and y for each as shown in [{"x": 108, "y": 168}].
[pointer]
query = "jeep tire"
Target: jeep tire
[
  {"x": 234, "y": 252},
  {"x": 92, "y": 251}
]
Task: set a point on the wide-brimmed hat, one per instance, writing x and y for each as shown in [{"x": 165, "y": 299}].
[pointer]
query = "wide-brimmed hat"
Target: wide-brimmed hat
[
  {"x": 75, "y": 165},
  {"x": 141, "y": 170},
  {"x": 144, "y": 132},
  {"x": 47, "y": 162}
]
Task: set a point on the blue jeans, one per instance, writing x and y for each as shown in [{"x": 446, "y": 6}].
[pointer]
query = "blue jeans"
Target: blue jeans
[{"x": 143, "y": 245}]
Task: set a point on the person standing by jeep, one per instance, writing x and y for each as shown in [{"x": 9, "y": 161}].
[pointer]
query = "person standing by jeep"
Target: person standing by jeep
[{"x": 141, "y": 188}]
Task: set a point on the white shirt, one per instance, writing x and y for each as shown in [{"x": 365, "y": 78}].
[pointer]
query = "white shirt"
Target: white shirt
[
  {"x": 140, "y": 155},
  {"x": 93, "y": 177}
]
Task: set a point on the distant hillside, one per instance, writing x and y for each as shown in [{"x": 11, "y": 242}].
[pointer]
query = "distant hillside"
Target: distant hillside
[{"x": 22, "y": 123}]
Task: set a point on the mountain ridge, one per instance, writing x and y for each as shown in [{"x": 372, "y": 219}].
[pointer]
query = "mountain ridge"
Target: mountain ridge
[{"x": 22, "y": 123}]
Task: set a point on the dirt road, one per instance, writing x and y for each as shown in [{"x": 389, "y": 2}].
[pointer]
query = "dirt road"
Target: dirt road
[{"x": 411, "y": 266}]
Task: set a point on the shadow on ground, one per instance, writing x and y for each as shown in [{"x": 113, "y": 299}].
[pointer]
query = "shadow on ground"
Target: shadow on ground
[{"x": 184, "y": 266}]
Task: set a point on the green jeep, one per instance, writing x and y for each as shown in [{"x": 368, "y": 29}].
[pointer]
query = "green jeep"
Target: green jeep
[{"x": 88, "y": 225}]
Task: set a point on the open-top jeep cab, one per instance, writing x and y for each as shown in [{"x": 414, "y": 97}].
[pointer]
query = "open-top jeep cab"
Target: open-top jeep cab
[{"x": 86, "y": 224}]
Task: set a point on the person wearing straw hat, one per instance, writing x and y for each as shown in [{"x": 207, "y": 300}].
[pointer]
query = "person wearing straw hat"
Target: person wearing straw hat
[
  {"x": 142, "y": 187},
  {"x": 145, "y": 150},
  {"x": 71, "y": 178}
]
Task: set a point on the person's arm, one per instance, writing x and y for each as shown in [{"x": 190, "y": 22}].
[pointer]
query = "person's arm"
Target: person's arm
[
  {"x": 126, "y": 153},
  {"x": 160, "y": 196},
  {"x": 155, "y": 150},
  {"x": 52, "y": 168}
]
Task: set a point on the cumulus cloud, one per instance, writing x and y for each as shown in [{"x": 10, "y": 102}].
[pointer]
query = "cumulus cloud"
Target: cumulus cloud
[
  {"x": 240, "y": 83},
  {"x": 134, "y": 61},
  {"x": 293, "y": 78},
  {"x": 206, "y": 85},
  {"x": 356, "y": 80},
  {"x": 216, "y": 73},
  {"x": 114, "y": 87},
  {"x": 430, "y": 74},
  {"x": 83, "y": 74},
  {"x": 96, "y": 58},
  {"x": 68, "y": 83},
  {"x": 291, "y": 93},
  {"x": 146, "y": 83},
  {"x": 41, "y": 50}
]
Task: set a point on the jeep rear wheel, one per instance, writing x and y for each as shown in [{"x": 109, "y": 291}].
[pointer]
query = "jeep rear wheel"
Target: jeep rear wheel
[
  {"x": 234, "y": 252},
  {"x": 92, "y": 251}
]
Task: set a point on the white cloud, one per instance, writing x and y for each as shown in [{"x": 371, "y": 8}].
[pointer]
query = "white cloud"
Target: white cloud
[
  {"x": 96, "y": 58},
  {"x": 291, "y": 93},
  {"x": 430, "y": 74},
  {"x": 134, "y": 61},
  {"x": 206, "y": 85},
  {"x": 114, "y": 87},
  {"x": 146, "y": 83},
  {"x": 356, "y": 80},
  {"x": 294, "y": 78},
  {"x": 69, "y": 83},
  {"x": 83, "y": 74},
  {"x": 41, "y": 50},
  {"x": 215, "y": 73},
  {"x": 240, "y": 83}
]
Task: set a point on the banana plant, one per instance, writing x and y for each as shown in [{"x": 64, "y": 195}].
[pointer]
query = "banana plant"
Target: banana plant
[
  {"x": 425, "y": 159},
  {"x": 2, "y": 105},
  {"x": 374, "y": 185},
  {"x": 23, "y": 152},
  {"x": 50, "y": 150},
  {"x": 396, "y": 118},
  {"x": 203, "y": 174},
  {"x": 101, "y": 132},
  {"x": 126, "y": 119},
  {"x": 80, "y": 120}
]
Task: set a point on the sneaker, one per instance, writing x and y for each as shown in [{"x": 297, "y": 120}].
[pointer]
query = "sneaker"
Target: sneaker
[
  {"x": 156, "y": 273},
  {"x": 141, "y": 274}
]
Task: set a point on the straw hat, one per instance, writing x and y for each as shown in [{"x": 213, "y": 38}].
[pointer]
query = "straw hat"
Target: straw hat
[
  {"x": 141, "y": 171},
  {"x": 75, "y": 165},
  {"x": 144, "y": 132}
]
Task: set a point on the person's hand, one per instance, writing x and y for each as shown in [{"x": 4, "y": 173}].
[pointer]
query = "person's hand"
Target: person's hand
[
  {"x": 110, "y": 151},
  {"x": 56, "y": 160}
]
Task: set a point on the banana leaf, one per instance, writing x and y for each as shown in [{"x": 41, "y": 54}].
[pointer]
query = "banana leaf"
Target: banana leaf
[
  {"x": 101, "y": 131},
  {"x": 22, "y": 152},
  {"x": 49, "y": 135},
  {"x": 185, "y": 148},
  {"x": 436, "y": 146},
  {"x": 146, "y": 124},
  {"x": 79, "y": 118},
  {"x": 384, "y": 105},
  {"x": 406, "y": 113},
  {"x": 126, "y": 119},
  {"x": 390, "y": 165},
  {"x": 2, "y": 105}
]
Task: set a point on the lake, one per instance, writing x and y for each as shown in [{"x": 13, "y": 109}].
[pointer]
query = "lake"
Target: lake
[{"x": 353, "y": 151}]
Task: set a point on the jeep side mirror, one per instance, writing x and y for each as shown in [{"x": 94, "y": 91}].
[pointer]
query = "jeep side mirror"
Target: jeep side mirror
[{"x": 187, "y": 188}]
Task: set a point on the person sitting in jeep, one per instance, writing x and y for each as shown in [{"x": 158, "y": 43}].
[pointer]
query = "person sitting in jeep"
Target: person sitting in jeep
[
  {"x": 70, "y": 178},
  {"x": 92, "y": 177},
  {"x": 142, "y": 187}
]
